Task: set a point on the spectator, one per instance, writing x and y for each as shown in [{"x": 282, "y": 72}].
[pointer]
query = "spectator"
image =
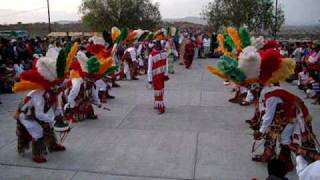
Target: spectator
[
  {"x": 206, "y": 45},
  {"x": 297, "y": 56}
]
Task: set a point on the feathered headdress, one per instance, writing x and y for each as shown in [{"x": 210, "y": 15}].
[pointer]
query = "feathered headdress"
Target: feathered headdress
[
  {"x": 96, "y": 65},
  {"x": 265, "y": 66},
  {"x": 48, "y": 71},
  {"x": 231, "y": 42}
]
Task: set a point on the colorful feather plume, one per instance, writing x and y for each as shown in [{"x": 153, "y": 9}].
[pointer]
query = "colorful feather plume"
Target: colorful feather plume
[
  {"x": 150, "y": 36},
  {"x": 61, "y": 63},
  {"x": 26, "y": 86},
  {"x": 123, "y": 35},
  {"x": 285, "y": 70},
  {"x": 93, "y": 65},
  {"x": 258, "y": 43},
  {"x": 105, "y": 65},
  {"x": 220, "y": 38},
  {"x": 270, "y": 62},
  {"x": 74, "y": 74},
  {"x": 143, "y": 36},
  {"x": 249, "y": 62},
  {"x": 131, "y": 37},
  {"x": 233, "y": 33},
  {"x": 270, "y": 44},
  {"x": 229, "y": 67},
  {"x": 71, "y": 56},
  {"x": 228, "y": 43},
  {"x": 111, "y": 70},
  {"x": 82, "y": 60},
  {"x": 34, "y": 77},
  {"x": 47, "y": 67},
  {"x": 216, "y": 71},
  {"x": 107, "y": 38},
  {"x": 215, "y": 42},
  {"x": 245, "y": 37},
  {"x": 115, "y": 33}
]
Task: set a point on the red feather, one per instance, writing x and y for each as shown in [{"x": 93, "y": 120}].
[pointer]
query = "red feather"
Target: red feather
[
  {"x": 95, "y": 48},
  {"x": 35, "y": 77},
  {"x": 270, "y": 44},
  {"x": 76, "y": 66},
  {"x": 270, "y": 62}
]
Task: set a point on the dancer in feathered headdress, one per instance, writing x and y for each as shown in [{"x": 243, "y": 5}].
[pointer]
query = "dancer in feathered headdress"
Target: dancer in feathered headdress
[
  {"x": 130, "y": 58},
  {"x": 34, "y": 115},
  {"x": 171, "y": 48},
  {"x": 86, "y": 71},
  {"x": 263, "y": 64},
  {"x": 158, "y": 72}
]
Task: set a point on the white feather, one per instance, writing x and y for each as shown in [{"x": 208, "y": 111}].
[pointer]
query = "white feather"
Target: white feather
[
  {"x": 47, "y": 67},
  {"x": 257, "y": 42},
  {"x": 139, "y": 34},
  {"x": 249, "y": 62},
  {"x": 83, "y": 59},
  {"x": 52, "y": 53},
  {"x": 97, "y": 40}
]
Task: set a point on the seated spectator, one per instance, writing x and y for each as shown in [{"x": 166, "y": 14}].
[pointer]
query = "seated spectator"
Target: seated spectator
[
  {"x": 7, "y": 77},
  {"x": 313, "y": 88},
  {"x": 303, "y": 78}
]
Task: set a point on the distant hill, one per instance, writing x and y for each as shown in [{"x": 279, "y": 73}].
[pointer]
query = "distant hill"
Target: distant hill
[
  {"x": 190, "y": 19},
  {"x": 67, "y": 22},
  {"x": 41, "y": 29}
]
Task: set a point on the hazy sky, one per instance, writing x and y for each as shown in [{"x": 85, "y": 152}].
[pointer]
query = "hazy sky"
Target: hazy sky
[{"x": 12, "y": 11}]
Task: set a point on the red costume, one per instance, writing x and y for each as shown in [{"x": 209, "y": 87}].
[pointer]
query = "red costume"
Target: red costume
[{"x": 157, "y": 74}]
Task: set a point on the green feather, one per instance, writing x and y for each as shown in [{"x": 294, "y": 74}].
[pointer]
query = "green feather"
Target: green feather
[
  {"x": 107, "y": 38},
  {"x": 111, "y": 70},
  {"x": 245, "y": 37},
  {"x": 215, "y": 41},
  {"x": 93, "y": 65},
  {"x": 68, "y": 48},
  {"x": 123, "y": 35},
  {"x": 150, "y": 36},
  {"x": 228, "y": 43},
  {"x": 229, "y": 66},
  {"x": 61, "y": 63},
  {"x": 143, "y": 36}
]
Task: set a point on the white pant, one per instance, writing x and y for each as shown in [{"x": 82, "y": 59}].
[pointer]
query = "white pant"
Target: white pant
[
  {"x": 285, "y": 137},
  {"x": 249, "y": 97},
  {"x": 126, "y": 70},
  {"x": 33, "y": 127}
]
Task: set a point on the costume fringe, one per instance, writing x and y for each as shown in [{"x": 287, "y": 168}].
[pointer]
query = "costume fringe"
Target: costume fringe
[{"x": 159, "y": 92}]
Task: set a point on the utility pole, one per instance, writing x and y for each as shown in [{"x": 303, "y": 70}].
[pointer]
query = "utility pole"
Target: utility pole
[
  {"x": 48, "y": 5},
  {"x": 276, "y": 21}
]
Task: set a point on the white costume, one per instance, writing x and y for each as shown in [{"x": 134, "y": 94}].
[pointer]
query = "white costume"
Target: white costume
[{"x": 36, "y": 101}]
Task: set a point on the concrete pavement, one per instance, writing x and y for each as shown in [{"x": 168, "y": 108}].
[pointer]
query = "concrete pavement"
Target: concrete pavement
[{"x": 201, "y": 136}]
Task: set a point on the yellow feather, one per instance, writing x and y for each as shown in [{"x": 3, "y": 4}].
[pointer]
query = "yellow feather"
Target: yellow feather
[
  {"x": 233, "y": 33},
  {"x": 115, "y": 32},
  {"x": 105, "y": 65},
  {"x": 214, "y": 70},
  {"x": 220, "y": 39},
  {"x": 70, "y": 57},
  {"x": 285, "y": 71},
  {"x": 74, "y": 74},
  {"x": 25, "y": 86}
]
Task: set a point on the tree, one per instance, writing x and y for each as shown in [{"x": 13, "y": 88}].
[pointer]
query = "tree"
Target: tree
[
  {"x": 258, "y": 15},
  {"x": 104, "y": 14}
]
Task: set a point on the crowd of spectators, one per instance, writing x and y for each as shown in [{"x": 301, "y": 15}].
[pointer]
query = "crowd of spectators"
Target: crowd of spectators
[
  {"x": 16, "y": 56},
  {"x": 307, "y": 72}
]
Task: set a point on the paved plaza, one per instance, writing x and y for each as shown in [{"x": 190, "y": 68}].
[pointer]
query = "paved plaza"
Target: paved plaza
[{"x": 202, "y": 136}]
